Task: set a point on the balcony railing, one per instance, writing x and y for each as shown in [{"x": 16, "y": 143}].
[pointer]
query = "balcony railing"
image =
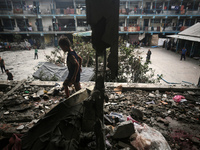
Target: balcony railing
[
  {"x": 38, "y": 29},
  {"x": 139, "y": 11},
  {"x": 123, "y": 11},
  {"x": 152, "y": 28},
  {"x": 58, "y": 11}
]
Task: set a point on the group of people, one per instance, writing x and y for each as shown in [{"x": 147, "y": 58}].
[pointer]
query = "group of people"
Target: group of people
[
  {"x": 3, "y": 69},
  {"x": 74, "y": 62},
  {"x": 9, "y": 74}
]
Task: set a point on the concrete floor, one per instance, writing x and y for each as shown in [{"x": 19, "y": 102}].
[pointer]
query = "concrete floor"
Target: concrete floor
[
  {"x": 165, "y": 62},
  {"x": 168, "y": 64}
]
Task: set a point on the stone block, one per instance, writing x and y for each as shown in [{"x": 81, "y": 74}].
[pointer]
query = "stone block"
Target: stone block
[{"x": 124, "y": 130}]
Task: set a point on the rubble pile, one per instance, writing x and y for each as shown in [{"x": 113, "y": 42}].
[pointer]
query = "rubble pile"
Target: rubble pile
[
  {"x": 135, "y": 119},
  {"x": 20, "y": 46},
  {"x": 177, "y": 121},
  {"x": 23, "y": 107}
]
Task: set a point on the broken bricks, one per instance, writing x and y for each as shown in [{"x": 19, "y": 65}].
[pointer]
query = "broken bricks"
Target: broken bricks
[{"x": 120, "y": 104}]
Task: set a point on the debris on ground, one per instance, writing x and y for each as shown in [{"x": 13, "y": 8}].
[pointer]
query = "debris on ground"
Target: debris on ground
[{"x": 135, "y": 119}]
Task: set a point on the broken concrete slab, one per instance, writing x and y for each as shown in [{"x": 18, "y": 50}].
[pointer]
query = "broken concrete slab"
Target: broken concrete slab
[
  {"x": 12, "y": 90},
  {"x": 124, "y": 130},
  {"x": 71, "y": 109}
]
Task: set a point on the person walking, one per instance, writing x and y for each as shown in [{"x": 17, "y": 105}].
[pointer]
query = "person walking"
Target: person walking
[
  {"x": 148, "y": 55},
  {"x": 36, "y": 53},
  {"x": 10, "y": 76},
  {"x": 74, "y": 62},
  {"x": 2, "y": 64},
  {"x": 183, "y": 53}
]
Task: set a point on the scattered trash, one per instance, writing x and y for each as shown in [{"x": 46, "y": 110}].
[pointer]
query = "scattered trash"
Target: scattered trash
[
  {"x": 136, "y": 106},
  {"x": 26, "y": 97},
  {"x": 165, "y": 103},
  {"x": 177, "y": 98},
  {"x": 154, "y": 46},
  {"x": 118, "y": 89},
  {"x": 21, "y": 127},
  {"x": 148, "y": 138},
  {"x": 151, "y": 102},
  {"x": 115, "y": 117},
  {"x": 130, "y": 118},
  {"x": 183, "y": 100},
  {"x": 26, "y": 92},
  {"x": 6, "y": 113}
]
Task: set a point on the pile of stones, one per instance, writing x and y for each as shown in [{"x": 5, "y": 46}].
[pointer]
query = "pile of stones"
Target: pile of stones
[{"x": 23, "y": 105}]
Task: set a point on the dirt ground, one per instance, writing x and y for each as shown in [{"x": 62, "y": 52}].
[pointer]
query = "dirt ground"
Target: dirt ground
[{"x": 21, "y": 63}]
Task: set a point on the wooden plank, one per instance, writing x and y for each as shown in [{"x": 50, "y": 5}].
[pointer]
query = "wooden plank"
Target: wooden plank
[{"x": 12, "y": 90}]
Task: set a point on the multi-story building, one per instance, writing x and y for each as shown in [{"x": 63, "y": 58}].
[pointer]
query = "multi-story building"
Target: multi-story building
[{"x": 46, "y": 20}]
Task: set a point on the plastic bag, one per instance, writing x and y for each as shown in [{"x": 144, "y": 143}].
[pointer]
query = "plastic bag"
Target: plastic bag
[
  {"x": 130, "y": 118},
  {"x": 149, "y": 138},
  {"x": 177, "y": 98}
]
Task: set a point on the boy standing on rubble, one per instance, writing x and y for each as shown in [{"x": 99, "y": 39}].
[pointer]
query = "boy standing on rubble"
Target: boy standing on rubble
[{"x": 74, "y": 62}]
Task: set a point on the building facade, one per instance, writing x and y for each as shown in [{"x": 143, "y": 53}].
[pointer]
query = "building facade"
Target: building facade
[{"x": 46, "y": 20}]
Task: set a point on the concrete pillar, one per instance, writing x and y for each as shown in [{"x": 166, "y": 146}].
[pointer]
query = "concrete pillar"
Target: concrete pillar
[
  {"x": 163, "y": 5},
  {"x": 193, "y": 5},
  {"x": 1, "y": 21},
  {"x": 142, "y": 4},
  {"x": 75, "y": 20},
  {"x": 177, "y": 45},
  {"x": 168, "y": 7},
  {"x": 199, "y": 6},
  {"x": 140, "y": 23},
  {"x": 11, "y": 4},
  {"x": 126, "y": 5},
  {"x": 149, "y": 23},
  {"x": 192, "y": 49},
  {"x": 53, "y": 7},
  {"x": 177, "y": 22},
  {"x": 184, "y": 22},
  {"x": 125, "y": 22},
  {"x": 74, "y": 6},
  {"x": 15, "y": 22}
]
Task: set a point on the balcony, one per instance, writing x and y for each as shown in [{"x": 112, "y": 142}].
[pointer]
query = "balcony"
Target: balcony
[
  {"x": 161, "y": 12},
  {"x": 150, "y": 29},
  {"x": 32, "y": 30},
  {"x": 70, "y": 11}
]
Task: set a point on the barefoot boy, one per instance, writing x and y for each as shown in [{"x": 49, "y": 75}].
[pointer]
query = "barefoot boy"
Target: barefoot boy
[{"x": 74, "y": 62}]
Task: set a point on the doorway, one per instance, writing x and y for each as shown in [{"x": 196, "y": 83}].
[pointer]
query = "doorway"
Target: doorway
[{"x": 39, "y": 24}]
